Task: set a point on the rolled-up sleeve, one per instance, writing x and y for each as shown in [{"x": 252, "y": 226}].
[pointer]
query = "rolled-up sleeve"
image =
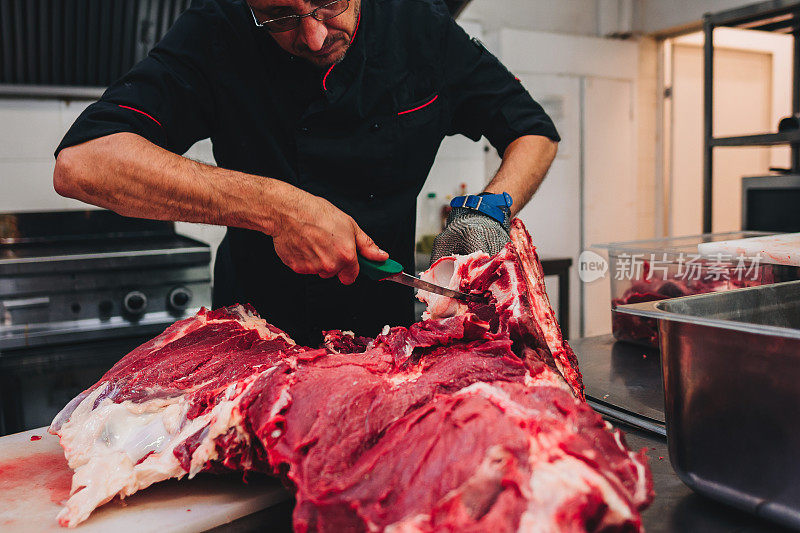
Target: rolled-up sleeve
[
  {"x": 166, "y": 98},
  {"x": 485, "y": 98}
]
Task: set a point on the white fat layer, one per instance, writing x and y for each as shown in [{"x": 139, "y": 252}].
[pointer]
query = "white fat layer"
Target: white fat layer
[
  {"x": 399, "y": 379},
  {"x": 641, "y": 469},
  {"x": 136, "y": 435},
  {"x": 556, "y": 482},
  {"x": 103, "y": 445},
  {"x": 250, "y": 321},
  {"x": 547, "y": 378},
  {"x": 444, "y": 273},
  {"x": 415, "y": 524},
  {"x": 283, "y": 400}
]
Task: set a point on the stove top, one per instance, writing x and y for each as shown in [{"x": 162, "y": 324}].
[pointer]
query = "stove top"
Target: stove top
[{"x": 81, "y": 274}]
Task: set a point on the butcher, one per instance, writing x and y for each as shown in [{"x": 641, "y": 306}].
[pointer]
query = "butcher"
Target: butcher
[{"x": 325, "y": 119}]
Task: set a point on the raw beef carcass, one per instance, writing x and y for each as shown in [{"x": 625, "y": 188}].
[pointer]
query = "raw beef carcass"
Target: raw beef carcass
[{"x": 471, "y": 420}]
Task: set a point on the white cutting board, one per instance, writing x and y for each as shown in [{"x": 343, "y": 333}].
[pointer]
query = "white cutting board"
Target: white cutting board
[
  {"x": 34, "y": 477},
  {"x": 775, "y": 249}
]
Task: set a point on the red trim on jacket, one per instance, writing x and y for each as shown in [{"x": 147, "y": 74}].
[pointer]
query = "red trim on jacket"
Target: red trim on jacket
[
  {"x": 426, "y": 104},
  {"x": 141, "y": 112},
  {"x": 355, "y": 32}
]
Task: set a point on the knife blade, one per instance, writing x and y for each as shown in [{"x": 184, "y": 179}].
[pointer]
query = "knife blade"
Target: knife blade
[
  {"x": 390, "y": 270},
  {"x": 412, "y": 281}
]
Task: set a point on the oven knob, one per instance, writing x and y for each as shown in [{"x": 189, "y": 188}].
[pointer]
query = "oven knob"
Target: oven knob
[
  {"x": 106, "y": 307},
  {"x": 179, "y": 298},
  {"x": 135, "y": 303}
]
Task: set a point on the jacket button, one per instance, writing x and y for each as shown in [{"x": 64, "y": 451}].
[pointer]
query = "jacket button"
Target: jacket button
[
  {"x": 371, "y": 196},
  {"x": 376, "y": 126},
  {"x": 305, "y": 130}
]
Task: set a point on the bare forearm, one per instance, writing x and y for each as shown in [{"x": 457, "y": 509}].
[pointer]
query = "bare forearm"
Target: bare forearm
[
  {"x": 128, "y": 174},
  {"x": 525, "y": 165}
]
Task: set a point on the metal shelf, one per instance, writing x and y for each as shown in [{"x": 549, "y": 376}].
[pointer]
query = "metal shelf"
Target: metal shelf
[
  {"x": 754, "y": 16},
  {"x": 761, "y": 139},
  {"x": 779, "y": 16}
]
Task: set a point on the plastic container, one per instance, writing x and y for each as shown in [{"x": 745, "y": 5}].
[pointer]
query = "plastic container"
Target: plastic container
[{"x": 658, "y": 269}]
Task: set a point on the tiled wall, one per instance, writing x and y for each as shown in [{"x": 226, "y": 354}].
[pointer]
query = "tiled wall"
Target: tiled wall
[{"x": 29, "y": 132}]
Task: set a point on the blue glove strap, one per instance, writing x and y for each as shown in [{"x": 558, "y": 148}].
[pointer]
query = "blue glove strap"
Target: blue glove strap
[{"x": 488, "y": 204}]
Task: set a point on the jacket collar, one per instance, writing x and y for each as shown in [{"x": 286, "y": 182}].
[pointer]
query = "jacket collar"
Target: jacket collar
[{"x": 338, "y": 77}]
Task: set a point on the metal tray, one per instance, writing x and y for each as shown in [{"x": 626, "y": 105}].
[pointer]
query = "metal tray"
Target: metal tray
[{"x": 731, "y": 370}]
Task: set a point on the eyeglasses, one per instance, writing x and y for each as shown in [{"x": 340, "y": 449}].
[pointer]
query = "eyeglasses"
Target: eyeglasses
[{"x": 290, "y": 22}]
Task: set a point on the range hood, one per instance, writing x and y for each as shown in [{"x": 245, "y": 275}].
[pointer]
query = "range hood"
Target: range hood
[{"x": 47, "y": 46}]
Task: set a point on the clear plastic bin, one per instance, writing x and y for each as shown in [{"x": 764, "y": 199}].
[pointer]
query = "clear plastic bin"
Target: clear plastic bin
[{"x": 657, "y": 269}]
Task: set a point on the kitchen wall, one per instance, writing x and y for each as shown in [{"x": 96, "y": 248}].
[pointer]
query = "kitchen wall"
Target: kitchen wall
[
  {"x": 659, "y": 15},
  {"x": 30, "y": 130},
  {"x": 561, "y": 16},
  {"x": 593, "y": 17}
]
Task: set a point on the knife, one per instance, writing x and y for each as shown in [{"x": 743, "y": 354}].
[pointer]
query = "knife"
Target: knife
[{"x": 390, "y": 270}]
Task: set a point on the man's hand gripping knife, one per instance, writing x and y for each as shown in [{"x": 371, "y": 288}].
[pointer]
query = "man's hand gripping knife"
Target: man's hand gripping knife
[{"x": 476, "y": 222}]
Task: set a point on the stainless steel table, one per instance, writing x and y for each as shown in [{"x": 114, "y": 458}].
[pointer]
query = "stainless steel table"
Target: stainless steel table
[{"x": 676, "y": 508}]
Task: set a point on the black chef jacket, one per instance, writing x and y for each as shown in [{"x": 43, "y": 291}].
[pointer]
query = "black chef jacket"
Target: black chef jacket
[{"x": 362, "y": 134}]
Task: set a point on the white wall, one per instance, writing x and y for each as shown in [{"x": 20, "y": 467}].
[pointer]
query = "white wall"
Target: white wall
[
  {"x": 30, "y": 130},
  {"x": 589, "y": 17},
  {"x": 659, "y": 15},
  {"x": 557, "y": 16}
]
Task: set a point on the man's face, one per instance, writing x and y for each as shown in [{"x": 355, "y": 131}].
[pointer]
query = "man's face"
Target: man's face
[{"x": 320, "y": 43}]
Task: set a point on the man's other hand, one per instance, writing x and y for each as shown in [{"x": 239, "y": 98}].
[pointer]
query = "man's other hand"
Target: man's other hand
[
  {"x": 469, "y": 231},
  {"x": 315, "y": 237}
]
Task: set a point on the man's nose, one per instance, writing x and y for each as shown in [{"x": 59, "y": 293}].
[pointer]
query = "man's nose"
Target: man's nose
[{"x": 313, "y": 33}]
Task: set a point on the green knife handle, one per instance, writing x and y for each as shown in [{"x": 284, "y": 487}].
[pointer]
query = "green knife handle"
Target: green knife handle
[{"x": 379, "y": 270}]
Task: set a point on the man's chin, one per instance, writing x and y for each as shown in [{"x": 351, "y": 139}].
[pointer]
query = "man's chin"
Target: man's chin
[{"x": 324, "y": 61}]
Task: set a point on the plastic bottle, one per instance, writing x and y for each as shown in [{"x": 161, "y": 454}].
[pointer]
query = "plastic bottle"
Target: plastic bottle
[{"x": 431, "y": 224}]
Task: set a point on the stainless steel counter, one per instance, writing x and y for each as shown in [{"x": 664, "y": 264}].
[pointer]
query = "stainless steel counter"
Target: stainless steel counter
[{"x": 677, "y": 509}]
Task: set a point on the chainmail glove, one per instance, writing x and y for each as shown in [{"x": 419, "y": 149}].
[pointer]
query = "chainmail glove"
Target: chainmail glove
[{"x": 468, "y": 231}]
